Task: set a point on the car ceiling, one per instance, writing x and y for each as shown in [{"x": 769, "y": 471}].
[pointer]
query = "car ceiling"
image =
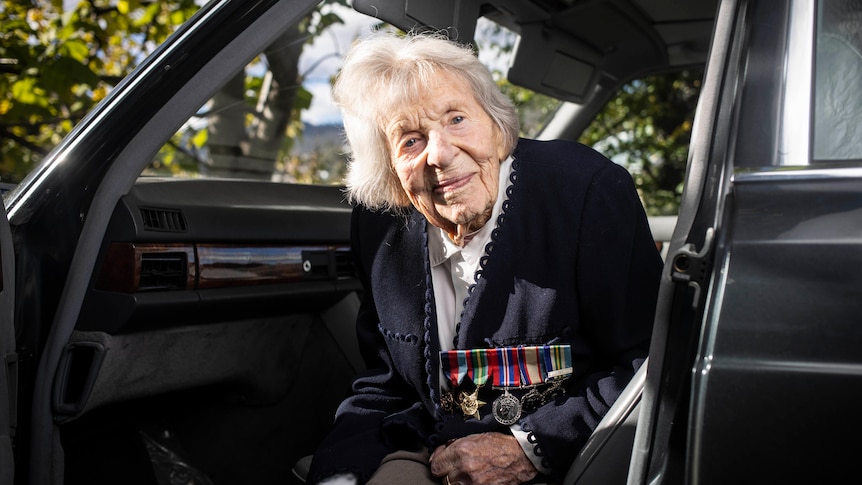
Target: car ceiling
[
  {"x": 646, "y": 36},
  {"x": 680, "y": 28}
]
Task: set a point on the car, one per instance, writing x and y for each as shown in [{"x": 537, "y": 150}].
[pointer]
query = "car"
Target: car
[{"x": 200, "y": 330}]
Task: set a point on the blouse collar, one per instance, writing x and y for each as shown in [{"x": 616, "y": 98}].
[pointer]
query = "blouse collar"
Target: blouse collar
[{"x": 441, "y": 248}]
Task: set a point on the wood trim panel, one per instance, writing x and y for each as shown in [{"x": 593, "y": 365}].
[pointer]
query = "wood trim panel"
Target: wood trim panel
[
  {"x": 217, "y": 265},
  {"x": 226, "y": 265},
  {"x": 121, "y": 269}
]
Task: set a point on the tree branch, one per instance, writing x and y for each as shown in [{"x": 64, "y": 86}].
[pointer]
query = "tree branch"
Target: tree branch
[{"x": 21, "y": 141}]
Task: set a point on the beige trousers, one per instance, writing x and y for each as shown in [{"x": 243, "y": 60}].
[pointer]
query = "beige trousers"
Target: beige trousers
[{"x": 405, "y": 467}]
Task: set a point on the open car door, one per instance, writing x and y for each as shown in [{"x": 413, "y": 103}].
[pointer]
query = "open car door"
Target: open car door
[
  {"x": 8, "y": 375},
  {"x": 757, "y": 324}
]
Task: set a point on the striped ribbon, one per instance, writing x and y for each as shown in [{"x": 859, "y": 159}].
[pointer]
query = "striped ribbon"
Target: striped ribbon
[{"x": 507, "y": 366}]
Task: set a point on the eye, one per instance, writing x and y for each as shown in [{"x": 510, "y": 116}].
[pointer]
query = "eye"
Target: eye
[
  {"x": 457, "y": 120},
  {"x": 410, "y": 144}
]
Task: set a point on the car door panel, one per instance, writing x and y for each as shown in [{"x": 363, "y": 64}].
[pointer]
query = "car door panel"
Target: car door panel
[
  {"x": 244, "y": 249},
  {"x": 8, "y": 352},
  {"x": 247, "y": 304},
  {"x": 61, "y": 211},
  {"x": 745, "y": 374},
  {"x": 659, "y": 451},
  {"x": 783, "y": 340}
]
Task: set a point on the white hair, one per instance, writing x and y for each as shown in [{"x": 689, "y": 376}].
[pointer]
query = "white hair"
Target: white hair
[{"x": 385, "y": 71}]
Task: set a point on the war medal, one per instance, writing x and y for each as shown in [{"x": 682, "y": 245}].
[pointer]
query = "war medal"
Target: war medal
[
  {"x": 470, "y": 403},
  {"x": 506, "y": 409},
  {"x": 447, "y": 402},
  {"x": 507, "y": 368},
  {"x": 531, "y": 400},
  {"x": 460, "y": 366}
]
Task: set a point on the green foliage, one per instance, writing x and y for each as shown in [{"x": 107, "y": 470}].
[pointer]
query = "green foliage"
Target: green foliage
[
  {"x": 646, "y": 127},
  {"x": 55, "y": 66},
  {"x": 534, "y": 109}
]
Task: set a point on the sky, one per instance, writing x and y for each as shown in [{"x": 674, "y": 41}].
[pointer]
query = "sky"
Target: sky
[
  {"x": 328, "y": 49},
  {"x": 322, "y": 59}
]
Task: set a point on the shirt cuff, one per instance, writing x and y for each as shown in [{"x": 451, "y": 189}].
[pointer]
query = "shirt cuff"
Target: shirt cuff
[
  {"x": 522, "y": 437},
  {"x": 343, "y": 479}
]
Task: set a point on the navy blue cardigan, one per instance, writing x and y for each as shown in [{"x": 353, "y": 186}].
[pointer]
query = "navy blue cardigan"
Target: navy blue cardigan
[{"x": 572, "y": 260}]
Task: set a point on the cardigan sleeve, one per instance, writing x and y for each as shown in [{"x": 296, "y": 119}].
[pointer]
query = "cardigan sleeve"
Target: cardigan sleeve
[
  {"x": 355, "y": 444},
  {"x": 618, "y": 273}
]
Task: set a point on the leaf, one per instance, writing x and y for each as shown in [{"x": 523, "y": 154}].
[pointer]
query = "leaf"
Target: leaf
[
  {"x": 69, "y": 17},
  {"x": 178, "y": 17},
  {"x": 99, "y": 93},
  {"x": 328, "y": 19},
  {"x": 75, "y": 49},
  {"x": 21, "y": 112},
  {"x": 65, "y": 72},
  {"x": 24, "y": 90},
  {"x": 149, "y": 15},
  {"x": 303, "y": 99},
  {"x": 200, "y": 138},
  {"x": 18, "y": 26}
]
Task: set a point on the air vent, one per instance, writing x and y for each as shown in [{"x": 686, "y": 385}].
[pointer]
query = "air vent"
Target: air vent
[
  {"x": 329, "y": 263},
  {"x": 344, "y": 264},
  {"x": 166, "y": 220},
  {"x": 163, "y": 271}
]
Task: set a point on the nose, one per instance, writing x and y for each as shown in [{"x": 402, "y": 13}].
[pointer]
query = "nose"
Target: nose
[{"x": 440, "y": 149}]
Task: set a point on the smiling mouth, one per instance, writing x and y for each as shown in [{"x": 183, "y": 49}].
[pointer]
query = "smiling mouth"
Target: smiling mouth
[{"x": 453, "y": 184}]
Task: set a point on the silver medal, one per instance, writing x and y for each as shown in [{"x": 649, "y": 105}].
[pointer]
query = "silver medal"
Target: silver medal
[{"x": 506, "y": 409}]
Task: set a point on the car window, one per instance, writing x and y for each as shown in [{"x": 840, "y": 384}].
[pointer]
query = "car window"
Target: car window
[
  {"x": 58, "y": 60},
  {"x": 808, "y": 109},
  {"x": 275, "y": 120},
  {"x": 837, "y": 130},
  {"x": 646, "y": 127}
]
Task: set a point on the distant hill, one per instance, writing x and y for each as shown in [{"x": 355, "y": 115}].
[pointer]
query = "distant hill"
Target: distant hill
[{"x": 315, "y": 137}]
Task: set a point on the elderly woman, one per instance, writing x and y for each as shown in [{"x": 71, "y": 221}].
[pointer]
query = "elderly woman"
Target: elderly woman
[{"x": 509, "y": 284}]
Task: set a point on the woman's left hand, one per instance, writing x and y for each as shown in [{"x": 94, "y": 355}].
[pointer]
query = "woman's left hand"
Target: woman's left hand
[{"x": 482, "y": 459}]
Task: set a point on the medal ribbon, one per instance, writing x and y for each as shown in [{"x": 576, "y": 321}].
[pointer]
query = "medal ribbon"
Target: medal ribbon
[
  {"x": 558, "y": 360},
  {"x": 480, "y": 367},
  {"x": 530, "y": 361},
  {"x": 507, "y": 366},
  {"x": 506, "y": 370},
  {"x": 458, "y": 364}
]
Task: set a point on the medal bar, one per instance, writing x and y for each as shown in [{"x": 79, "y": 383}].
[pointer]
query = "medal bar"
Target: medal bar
[{"x": 507, "y": 368}]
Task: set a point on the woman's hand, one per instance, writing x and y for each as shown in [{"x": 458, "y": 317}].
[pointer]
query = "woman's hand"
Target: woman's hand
[{"x": 480, "y": 459}]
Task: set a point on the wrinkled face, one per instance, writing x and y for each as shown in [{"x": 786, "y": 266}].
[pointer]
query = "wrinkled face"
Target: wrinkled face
[{"x": 446, "y": 151}]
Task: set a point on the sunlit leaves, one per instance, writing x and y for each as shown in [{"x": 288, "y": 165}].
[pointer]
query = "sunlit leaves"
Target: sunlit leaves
[
  {"x": 75, "y": 49},
  {"x": 646, "y": 127},
  {"x": 26, "y": 91},
  {"x": 55, "y": 65}
]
